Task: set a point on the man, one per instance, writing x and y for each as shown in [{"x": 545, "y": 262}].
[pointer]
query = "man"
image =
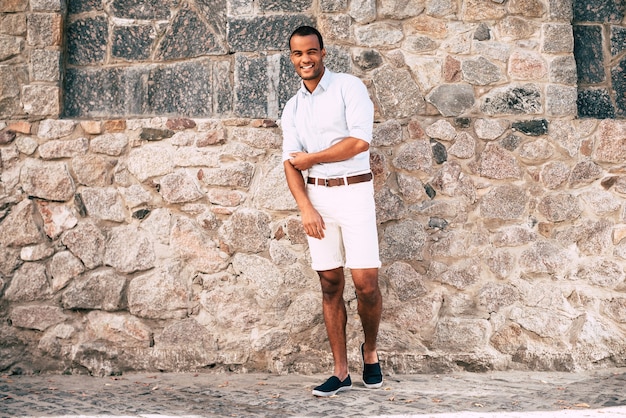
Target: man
[{"x": 327, "y": 127}]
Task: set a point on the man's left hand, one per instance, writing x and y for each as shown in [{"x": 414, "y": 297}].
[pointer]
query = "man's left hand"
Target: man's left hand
[{"x": 301, "y": 160}]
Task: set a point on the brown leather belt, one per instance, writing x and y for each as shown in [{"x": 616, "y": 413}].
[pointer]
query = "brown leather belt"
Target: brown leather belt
[{"x": 340, "y": 181}]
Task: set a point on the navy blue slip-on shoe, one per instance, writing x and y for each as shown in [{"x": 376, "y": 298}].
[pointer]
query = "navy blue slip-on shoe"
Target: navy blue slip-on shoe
[
  {"x": 372, "y": 373},
  {"x": 332, "y": 386}
]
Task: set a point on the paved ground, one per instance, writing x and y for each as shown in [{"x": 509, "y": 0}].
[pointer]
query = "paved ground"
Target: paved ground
[{"x": 498, "y": 394}]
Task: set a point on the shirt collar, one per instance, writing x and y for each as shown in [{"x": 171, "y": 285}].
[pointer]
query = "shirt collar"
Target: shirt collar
[{"x": 324, "y": 82}]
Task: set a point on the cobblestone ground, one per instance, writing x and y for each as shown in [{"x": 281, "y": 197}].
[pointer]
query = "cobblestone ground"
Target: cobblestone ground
[{"x": 497, "y": 394}]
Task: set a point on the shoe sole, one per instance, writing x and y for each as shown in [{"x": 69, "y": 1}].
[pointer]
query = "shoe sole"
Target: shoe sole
[
  {"x": 325, "y": 394},
  {"x": 373, "y": 385}
]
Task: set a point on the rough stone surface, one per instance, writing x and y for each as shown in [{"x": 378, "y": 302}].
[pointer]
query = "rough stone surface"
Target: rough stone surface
[{"x": 145, "y": 223}]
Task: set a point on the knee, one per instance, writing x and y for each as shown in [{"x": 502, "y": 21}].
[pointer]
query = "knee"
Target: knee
[{"x": 369, "y": 294}]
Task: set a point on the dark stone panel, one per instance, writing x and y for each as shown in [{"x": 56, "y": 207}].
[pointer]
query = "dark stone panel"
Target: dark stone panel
[
  {"x": 618, "y": 40},
  {"x": 289, "y": 82},
  {"x": 180, "y": 89},
  {"x": 81, "y": 6},
  {"x": 264, "y": 33},
  {"x": 87, "y": 40},
  {"x": 588, "y": 54},
  {"x": 143, "y": 9},
  {"x": 618, "y": 75},
  {"x": 284, "y": 5},
  {"x": 102, "y": 92},
  {"x": 251, "y": 86},
  {"x": 214, "y": 11},
  {"x": 535, "y": 127},
  {"x": 133, "y": 43},
  {"x": 595, "y": 103},
  {"x": 187, "y": 37},
  {"x": 222, "y": 88},
  {"x": 599, "y": 10}
]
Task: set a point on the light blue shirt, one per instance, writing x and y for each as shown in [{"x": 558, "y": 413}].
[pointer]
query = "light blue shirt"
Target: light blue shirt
[{"x": 339, "y": 107}]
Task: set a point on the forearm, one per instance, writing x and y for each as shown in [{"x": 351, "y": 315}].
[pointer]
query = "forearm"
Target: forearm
[
  {"x": 341, "y": 151},
  {"x": 296, "y": 185}
]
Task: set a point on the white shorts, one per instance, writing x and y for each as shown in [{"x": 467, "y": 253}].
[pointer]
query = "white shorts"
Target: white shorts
[{"x": 351, "y": 235}]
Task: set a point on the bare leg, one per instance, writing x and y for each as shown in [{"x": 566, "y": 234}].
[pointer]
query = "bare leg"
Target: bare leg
[
  {"x": 370, "y": 306},
  {"x": 335, "y": 317}
]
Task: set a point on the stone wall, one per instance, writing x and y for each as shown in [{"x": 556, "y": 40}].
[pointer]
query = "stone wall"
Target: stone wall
[{"x": 145, "y": 223}]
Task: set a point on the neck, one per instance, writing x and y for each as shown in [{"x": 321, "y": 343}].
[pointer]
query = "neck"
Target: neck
[{"x": 311, "y": 85}]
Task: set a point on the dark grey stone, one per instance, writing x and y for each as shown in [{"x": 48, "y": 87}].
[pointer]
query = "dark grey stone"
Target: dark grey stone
[
  {"x": 440, "y": 154},
  {"x": 452, "y": 99},
  {"x": 141, "y": 213},
  {"x": 618, "y": 40},
  {"x": 618, "y": 76},
  {"x": 251, "y": 86},
  {"x": 430, "y": 191},
  {"x": 102, "y": 92},
  {"x": 143, "y": 9},
  {"x": 187, "y": 37},
  {"x": 437, "y": 223},
  {"x": 182, "y": 89},
  {"x": 81, "y": 6},
  {"x": 462, "y": 122},
  {"x": 595, "y": 103},
  {"x": 589, "y": 54},
  {"x": 264, "y": 33},
  {"x": 284, "y": 5},
  {"x": 288, "y": 83},
  {"x": 368, "y": 59},
  {"x": 87, "y": 40},
  {"x": 511, "y": 142},
  {"x": 599, "y": 10},
  {"x": 535, "y": 127},
  {"x": 222, "y": 88},
  {"x": 524, "y": 99},
  {"x": 482, "y": 33},
  {"x": 133, "y": 43},
  {"x": 153, "y": 134},
  {"x": 214, "y": 11}
]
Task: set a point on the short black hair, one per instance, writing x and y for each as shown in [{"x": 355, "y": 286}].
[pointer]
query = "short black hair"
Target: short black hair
[{"x": 306, "y": 31}]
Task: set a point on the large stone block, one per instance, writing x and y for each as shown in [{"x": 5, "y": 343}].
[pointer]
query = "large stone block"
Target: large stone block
[
  {"x": 182, "y": 89},
  {"x": 45, "y": 65},
  {"x": 81, "y": 6},
  {"x": 595, "y": 103},
  {"x": 142, "y": 9},
  {"x": 618, "y": 78},
  {"x": 12, "y": 77},
  {"x": 10, "y": 46},
  {"x": 598, "y": 11},
  {"x": 189, "y": 36},
  {"x": 515, "y": 99},
  {"x": 12, "y": 6},
  {"x": 41, "y": 100},
  {"x": 87, "y": 40},
  {"x": 103, "y": 92},
  {"x": 133, "y": 43},
  {"x": 253, "y": 85},
  {"x": 618, "y": 40},
  {"x": 589, "y": 53},
  {"x": 44, "y": 29},
  {"x": 264, "y": 33}
]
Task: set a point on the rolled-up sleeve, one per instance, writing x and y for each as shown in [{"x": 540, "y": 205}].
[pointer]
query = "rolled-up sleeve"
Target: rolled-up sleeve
[
  {"x": 290, "y": 133},
  {"x": 359, "y": 110}
]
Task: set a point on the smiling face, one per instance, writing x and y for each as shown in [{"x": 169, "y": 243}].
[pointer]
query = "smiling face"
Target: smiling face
[{"x": 308, "y": 59}]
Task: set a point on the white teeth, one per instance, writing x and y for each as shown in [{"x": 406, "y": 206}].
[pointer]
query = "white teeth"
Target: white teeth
[{"x": 307, "y": 67}]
